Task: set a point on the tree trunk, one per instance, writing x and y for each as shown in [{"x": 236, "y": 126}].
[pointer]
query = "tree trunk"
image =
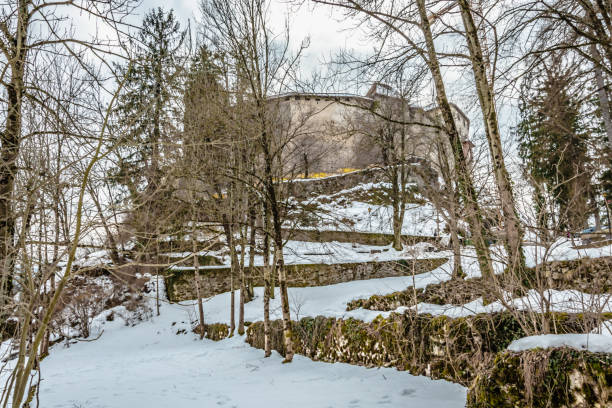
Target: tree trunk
[
  {"x": 456, "y": 244},
  {"x": 227, "y": 227},
  {"x": 306, "y": 165},
  {"x": 196, "y": 274},
  {"x": 512, "y": 224},
  {"x": 252, "y": 247},
  {"x": 157, "y": 293},
  {"x": 396, "y": 197},
  {"x": 266, "y": 277},
  {"x": 272, "y": 198},
  {"x": 10, "y": 140},
  {"x": 464, "y": 179},
  {"x": 602, "y": 94},
  {"x": 282, "y": 283},
  {"x": 596, "y": 213},
  {"x": 242, "y": 284}
]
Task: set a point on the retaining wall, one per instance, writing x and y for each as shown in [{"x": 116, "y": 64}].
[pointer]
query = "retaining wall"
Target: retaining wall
[{"x": 180, "y": 283}]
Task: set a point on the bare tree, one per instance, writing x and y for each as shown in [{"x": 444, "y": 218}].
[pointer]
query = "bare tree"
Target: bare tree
[
  {"x": 484, "y": 87},
  {"x": 31, "y": 28},
  {"x": 395, "y": 20}
]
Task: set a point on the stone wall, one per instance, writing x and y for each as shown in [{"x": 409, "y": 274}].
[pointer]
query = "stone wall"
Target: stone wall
[
  {"x": 364, "y": 238},
  {"x": 591, "y": 275},
  {"x": 180, "y": 284},
  {"x": 457, "y": 350},
  {"x": 539, "y": 378},
  {"x": 304, "y": 189}
]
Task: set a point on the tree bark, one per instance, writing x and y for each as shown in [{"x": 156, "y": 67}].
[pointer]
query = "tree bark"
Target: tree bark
[
  {"x": 242, "y": 283},
  {"x": 464, "y": 179},
  {"x": 252, "y": 248},
  {"x": 10, "y": 140},
  {"x": 456, "y": 244},
  {"x": 266, "y": 277},
  {"x": 397, "y": 198},
  {"x": 196, "y": 274},
  {"x": 272, "y": 197},
  {"x": 602, "y": 94},
  {"x": 512, "y": 224},
  {"x": 227, "y": 227}
]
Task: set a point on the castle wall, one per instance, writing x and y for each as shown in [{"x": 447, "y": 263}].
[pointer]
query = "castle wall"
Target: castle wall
[{"x": 324, "y": 133}]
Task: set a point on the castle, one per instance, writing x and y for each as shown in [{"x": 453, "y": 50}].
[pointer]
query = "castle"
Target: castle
[{"x": 331, "y": 133}]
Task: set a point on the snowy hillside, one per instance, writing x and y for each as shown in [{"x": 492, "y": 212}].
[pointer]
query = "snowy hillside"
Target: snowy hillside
[{"x": 161, "y": 363}]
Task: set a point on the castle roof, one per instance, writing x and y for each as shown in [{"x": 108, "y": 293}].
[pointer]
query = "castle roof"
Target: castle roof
[
  {"x": 378, "y": 89},
  {"x": 320, "y": 95}
]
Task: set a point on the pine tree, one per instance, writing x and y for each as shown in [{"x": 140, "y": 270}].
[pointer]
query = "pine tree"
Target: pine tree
[
  {"x": 147, "y": 117},
  {"x": 553, "y": 144}
]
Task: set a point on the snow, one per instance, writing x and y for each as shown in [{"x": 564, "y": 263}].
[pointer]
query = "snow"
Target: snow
[
  {"x": 327, "y": 301},
  {"x": 562, "y": 250},
  {"x": 150, "y": 365},
  {"x": 160, "y": 362},
  {"x": 570, "y": 301},
  {"x": 93, "y": 259},
  {"x": 331, "y": 300},
  {"x": 303, "y": 252},
  {"x": 596, "y": 343},
  {"x": 339, "y": 214}
]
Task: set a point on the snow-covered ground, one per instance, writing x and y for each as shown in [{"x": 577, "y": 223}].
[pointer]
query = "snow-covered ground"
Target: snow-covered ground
[
  {"x": 303, "y": 252},
  {"x": 336, "y": 213},
  {"x": 328, "y": 300},
  {"x": 150, "y": 365},
  {"x": 562, "y": 250},
  {"x": 331, "y": 300},
  {"x": 597, "y": 343},
  {"x": 570, "y": 301},
  {"x": 160, "y": 362}
]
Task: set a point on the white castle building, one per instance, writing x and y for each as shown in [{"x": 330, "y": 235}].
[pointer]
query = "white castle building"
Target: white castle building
[{"x": 330, "y": 133}]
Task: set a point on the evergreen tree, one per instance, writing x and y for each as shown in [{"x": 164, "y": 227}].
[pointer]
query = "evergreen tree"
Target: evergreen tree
[
  {"x": 147, "y": 116},
  {"x": 205, "y": 101},
  {"x": 553, "y": 144}
]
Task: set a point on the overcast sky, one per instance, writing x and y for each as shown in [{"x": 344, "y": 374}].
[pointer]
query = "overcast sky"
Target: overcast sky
[
  {"x": 327, "y": 30},
  {"x": 330, "y": 32}
]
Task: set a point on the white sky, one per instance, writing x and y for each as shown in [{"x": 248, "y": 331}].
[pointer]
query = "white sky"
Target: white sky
[{"x": 330, "y": 32}]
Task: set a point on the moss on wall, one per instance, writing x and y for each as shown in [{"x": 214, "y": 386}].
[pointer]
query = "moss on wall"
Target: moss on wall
[
  {"x": 180, "y": 284},
  {"x": 363, "y": 238},
  {"x": 590, "y": 275},
  {"x": 216, "y": 331},
  {"x": 437, "y": 346},
  {"x": 587, "y": 275},
  {"x": 540, "y": 378}
]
